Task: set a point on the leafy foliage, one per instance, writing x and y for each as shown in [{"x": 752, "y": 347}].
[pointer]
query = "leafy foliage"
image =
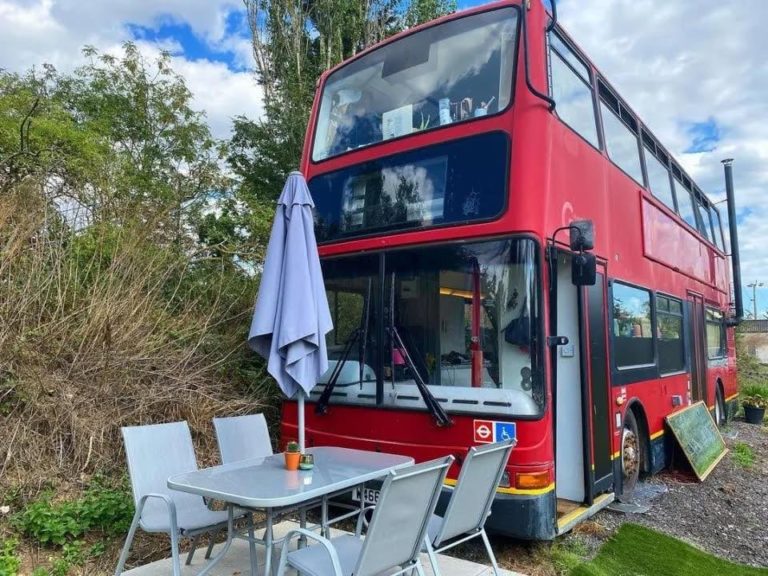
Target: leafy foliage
[
  {"x": 9, "y": 561},
  {"x": 743, "y": 454},
  {"x": 755, "y": 395},
  {"x": 103, "y": 509}
]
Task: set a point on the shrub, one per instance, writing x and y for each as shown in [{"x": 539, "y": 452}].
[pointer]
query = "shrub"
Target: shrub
[
  {"x": 9, "y": 562},
  {"x": 103, "y": 509},
  {"x": 743, "y": 454},
  {"x": 754, "y": 394}
]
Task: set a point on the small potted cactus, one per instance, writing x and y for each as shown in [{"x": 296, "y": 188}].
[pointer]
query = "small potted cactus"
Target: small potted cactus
[{"x": 292, "y": 456}]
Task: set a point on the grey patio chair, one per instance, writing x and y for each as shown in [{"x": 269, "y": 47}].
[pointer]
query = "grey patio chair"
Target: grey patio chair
[
  {"x": 242, "y": 437},
  {"x": 470, "y": 503},
  {"x": 155, "y": 453},
  {"x": 395, "y": 534}
]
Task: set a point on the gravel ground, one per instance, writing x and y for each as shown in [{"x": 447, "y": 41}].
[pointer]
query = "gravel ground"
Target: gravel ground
[{"x": 726, "y": 515}]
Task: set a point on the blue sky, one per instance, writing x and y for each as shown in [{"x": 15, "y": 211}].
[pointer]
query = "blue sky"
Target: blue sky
[{"x": 695, "y": 71}]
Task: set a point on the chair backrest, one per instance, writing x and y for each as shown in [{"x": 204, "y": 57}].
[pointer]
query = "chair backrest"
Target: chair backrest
[
  {"x": 242, "y": 437},
  {"x": 475, "y": 490},
  {"x": 400, "y": 519},
  {"x": 154, "y": 453}
]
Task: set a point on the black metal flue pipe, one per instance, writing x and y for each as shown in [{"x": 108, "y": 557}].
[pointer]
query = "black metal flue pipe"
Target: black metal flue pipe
[{"x": 734, "y": 233}]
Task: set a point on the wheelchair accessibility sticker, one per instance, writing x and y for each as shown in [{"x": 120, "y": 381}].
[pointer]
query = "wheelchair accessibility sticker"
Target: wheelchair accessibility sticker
[{"x": 487, "y": 431}]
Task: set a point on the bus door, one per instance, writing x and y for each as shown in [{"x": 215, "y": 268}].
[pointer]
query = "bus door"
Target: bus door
[
  {"x": 697, "y": 347},
  {"x": 596, "y": 393},
  {"x": 570, "y": 461},
  {"x": 583, "y": 467}
]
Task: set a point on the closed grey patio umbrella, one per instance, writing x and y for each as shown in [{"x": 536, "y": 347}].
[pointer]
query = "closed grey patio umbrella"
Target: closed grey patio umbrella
[{"x": 291, "y": 317}]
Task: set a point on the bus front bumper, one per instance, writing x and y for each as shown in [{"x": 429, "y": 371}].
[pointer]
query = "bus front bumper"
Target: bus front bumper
[{"x": 522, "y": 516}]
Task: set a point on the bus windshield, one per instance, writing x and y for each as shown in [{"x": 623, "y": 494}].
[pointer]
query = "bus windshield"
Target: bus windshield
[
  {"x": 461, "y": 318},
  {"x": 447, "y": 73}
]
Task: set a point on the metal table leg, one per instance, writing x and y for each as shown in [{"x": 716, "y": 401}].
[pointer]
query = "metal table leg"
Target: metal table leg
[
  {"x": 230, "y": 534},
  {"x": 302, "y": 523},
  {"x": 252, "y": 546},
  {"x": 268, "y": 536},
  {"x": 325, "y": 529}
]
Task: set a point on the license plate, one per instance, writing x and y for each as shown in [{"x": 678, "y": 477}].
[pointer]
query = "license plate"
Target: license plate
[{"x": 369, "y": 495}]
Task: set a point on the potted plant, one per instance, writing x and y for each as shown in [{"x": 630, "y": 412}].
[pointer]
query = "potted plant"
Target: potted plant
[
  {"x": 754, "y": 398},
  {"x": 292, "y": 456}
]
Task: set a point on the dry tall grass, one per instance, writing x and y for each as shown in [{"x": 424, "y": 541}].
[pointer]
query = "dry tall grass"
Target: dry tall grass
[{"x": 104, "y": 329}]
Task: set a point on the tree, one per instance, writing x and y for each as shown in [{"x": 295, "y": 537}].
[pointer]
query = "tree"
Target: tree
[{"x": 293, "y": 42}]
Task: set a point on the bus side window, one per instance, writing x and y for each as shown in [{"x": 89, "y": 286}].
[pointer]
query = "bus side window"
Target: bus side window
[
  {"x": 620, "y": 133},
  {"x": 572, "y": 91}
]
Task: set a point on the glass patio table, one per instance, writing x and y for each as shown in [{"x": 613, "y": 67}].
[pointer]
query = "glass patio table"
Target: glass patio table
[{"x": 265, "y": 484}]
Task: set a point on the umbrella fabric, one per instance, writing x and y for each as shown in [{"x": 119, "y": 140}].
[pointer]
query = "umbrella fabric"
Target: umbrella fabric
[{"x": 291, "y": 317}]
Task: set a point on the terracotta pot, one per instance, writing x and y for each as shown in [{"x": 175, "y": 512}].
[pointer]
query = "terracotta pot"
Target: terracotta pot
[{"x": 292, "y": 460}]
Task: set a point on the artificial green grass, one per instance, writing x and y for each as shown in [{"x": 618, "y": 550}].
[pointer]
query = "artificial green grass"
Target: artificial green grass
[{"x": 638, "y": 551}]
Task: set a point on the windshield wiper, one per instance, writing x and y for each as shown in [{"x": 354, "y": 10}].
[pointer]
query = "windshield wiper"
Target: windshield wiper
[
  {"x": 360, "y": 335},
  {"x": 434, "y": 407}
]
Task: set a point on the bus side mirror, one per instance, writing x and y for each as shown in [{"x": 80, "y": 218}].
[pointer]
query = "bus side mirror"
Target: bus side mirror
[
  {"x": 584, "y": 269},
  {"x": 582, "y": 235}
]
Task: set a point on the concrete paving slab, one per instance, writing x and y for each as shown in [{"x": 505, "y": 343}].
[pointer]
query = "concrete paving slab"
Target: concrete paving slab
[{"x": 237, "y": 562}]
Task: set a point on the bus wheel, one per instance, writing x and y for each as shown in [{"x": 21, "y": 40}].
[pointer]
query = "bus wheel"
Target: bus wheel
[
  {"x": 631, "y": 456},
  {"x": 720, "y": 417}
]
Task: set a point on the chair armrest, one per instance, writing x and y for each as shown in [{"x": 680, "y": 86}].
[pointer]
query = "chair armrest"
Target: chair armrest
[
  {"x": 361, "y": 521},
  {"x": 169, "y": 503},
  {"x": 324, "y": 542}
]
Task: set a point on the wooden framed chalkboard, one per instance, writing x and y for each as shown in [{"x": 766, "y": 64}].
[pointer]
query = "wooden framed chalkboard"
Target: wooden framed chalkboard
[{"x": 698, "y": 436}]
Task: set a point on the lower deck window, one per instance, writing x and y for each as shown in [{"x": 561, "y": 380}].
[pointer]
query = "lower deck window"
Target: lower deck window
[
  {"x": 669, "y": 315},
  {"x": 715, "y": 334},
  {"x": 632, "y": 326},
  {"x": 462, "y": 318}
]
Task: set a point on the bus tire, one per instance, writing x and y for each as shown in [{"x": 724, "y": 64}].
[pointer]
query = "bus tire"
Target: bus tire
[
  {"x": 631, "y": 456},
  {"x": 721, "y": 416}
]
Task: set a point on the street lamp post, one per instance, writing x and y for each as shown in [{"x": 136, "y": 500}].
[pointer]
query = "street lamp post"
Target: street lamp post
[{"x": 754, "y": 287}]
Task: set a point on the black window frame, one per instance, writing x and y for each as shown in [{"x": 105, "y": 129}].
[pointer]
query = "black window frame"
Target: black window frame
[
  {"x": 649, "y": 144},
  {"x": 702, "y": 215},
  {"x": 621, "y": 111},
  {"x": 589, "y": 81},
  {"x": 720, "y": 323},
  {"x": 542, "y": 351},
  {"x": 410, "y": 152},
  {"x": 515, "y": 71},
  {"x": 681, "y": 315},
  {"x": 629, "y": 375},
  {"x": 718, "y": 227}
]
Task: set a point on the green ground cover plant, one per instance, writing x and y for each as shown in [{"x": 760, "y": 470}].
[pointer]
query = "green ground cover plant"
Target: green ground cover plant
[
  {"x": 100, "y": 509},
  {"x": 9, "y": 561},
  {"x": 743, "y": 454},
  {"x": 639, "y": 551}
]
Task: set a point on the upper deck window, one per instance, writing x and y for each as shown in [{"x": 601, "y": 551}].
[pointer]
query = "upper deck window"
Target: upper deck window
[
  {"x": 572, "y": 90},
  {"x": 451, "y": 72},
  {"x": 685, "y": 204},
  {"x": 717, "y": 232},
  {"x": 704, "y": 226},
  {"x": 455, "y": 182},
  {"x": 659, "y": 182},
  {"x": 620, "y": 131}
]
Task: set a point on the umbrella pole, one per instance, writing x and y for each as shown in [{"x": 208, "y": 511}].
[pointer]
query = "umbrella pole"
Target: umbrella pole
[{"x": 301, "y": 419}]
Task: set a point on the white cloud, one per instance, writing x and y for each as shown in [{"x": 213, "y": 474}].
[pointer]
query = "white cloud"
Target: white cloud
[
  {"x": 222, "y": 93},
  {"x": 687, "y": 61},
  {"x": 34, "y": 32}
]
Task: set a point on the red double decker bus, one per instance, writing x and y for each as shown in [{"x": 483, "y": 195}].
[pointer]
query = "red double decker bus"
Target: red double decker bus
[{"x": 508, "y": 251}]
